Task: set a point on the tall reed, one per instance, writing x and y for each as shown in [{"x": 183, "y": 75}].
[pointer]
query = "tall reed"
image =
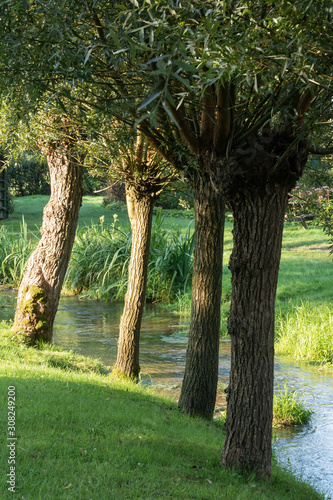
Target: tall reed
[
  {"x": 100, "y": 257},
  {"x": 306, "y": 332},
  {"x": 98, "y": 265},
  {"x": 170, "y": 262},
  {"x": 15, "y": 250}
]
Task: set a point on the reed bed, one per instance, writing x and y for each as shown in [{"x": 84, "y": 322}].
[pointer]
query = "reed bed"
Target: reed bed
[{"x": 15, "y": 250}]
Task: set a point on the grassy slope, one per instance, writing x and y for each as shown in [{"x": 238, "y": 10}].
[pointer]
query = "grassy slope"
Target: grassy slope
[{"x": 82, "y": 435}]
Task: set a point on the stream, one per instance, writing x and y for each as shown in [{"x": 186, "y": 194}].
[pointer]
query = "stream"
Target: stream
[{"x": 91, "y": 328}]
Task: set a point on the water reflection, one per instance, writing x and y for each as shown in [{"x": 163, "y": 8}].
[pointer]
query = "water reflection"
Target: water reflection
[
  {"x": 308, "y": 450},
  {"x": 91, "y": 328}
]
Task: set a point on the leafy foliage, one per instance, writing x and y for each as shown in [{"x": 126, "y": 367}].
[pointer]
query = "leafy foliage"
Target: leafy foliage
[{"x": 28, "y": 175}]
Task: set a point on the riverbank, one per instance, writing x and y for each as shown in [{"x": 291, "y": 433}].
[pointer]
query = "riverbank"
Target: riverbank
[
  {"x": 82, "y": 434},
  {"x": 304, "y": 309}
]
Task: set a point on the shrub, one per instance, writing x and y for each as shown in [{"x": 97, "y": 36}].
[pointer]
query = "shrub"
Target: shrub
[
  {"x": 309, "y": 201},
  {"x": 326, "y": 219},
  {"x": 28, "y": 175}
]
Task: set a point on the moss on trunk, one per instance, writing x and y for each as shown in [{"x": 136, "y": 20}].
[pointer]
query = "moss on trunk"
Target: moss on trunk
[{"x": 32, "y": 308}]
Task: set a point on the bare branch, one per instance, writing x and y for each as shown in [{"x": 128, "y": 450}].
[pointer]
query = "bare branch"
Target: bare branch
[
  {"x": 316, "y": 150},
  {"x": 223, "y": 118},
  {"x": 184, "y": 128},
  {"x": 207, "y": 115}
]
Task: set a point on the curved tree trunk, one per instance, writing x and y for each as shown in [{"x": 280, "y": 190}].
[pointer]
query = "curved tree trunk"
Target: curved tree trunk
[
  {"x": 140, "y": 211},
  {"x": 198, "y": 393},
  {"x": 39, "y": 292}
]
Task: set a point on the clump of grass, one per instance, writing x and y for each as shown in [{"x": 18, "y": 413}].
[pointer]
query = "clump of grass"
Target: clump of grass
[
  {"x": 15, "y": 250},
  {"x": 98, "y": 265},
  {"x": 182, "y": 304},
  {"x": 170, "y": 261},
  {"x": 289, "y": 408},
  {"x": 306, "y": 332}
]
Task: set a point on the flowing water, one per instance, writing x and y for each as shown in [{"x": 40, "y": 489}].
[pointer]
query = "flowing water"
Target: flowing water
[{"x": 91, "y": 328}]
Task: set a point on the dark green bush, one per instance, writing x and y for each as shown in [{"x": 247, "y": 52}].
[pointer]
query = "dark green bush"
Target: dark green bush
[{"x": 28, "y": 175}]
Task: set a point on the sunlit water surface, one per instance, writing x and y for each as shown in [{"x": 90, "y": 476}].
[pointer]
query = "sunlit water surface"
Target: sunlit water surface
[{"x": 91, "y": 328}]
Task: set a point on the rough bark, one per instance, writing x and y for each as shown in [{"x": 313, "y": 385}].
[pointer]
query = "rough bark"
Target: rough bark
[
  {"x": 198, "y": 394},
  {"x": 257, "y": 193},
  {"x": 140, "y": 210},
  {"x": 254, "y": 264},
  {"x": 39, "y": 292}
]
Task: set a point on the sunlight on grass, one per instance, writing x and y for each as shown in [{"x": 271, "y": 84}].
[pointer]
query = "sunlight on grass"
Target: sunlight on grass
[
  {"x": 307, "y": 333},
  {"x": 289, "y": 408},
  {"x": 82, "y": 434}
]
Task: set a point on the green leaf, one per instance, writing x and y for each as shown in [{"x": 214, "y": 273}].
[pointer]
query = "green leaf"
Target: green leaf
[
  {"x": 88, "y": 54},
  {"x": 181, "y": 79},
  {"x": 146, "y": 116},
  {"x": 185, "y": 66},
  {"x": 169, "y": 97},
  {"x": 168, "y": 112},
  {"x": 149, "y": 99}
]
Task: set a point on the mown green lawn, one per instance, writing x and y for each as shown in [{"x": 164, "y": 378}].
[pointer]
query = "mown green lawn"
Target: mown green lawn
[
  {"x": 31, "y": 208},
  {"x": 83, "y": 435}
]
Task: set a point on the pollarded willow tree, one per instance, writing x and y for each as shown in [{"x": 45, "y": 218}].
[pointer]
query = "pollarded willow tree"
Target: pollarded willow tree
[
  {"x": 141, "y": 172},
  {"x": 50, "y": 60},
  {"x": 40, "y": 288},
  {"x": 145, "y": 175},
  {"x": 58, "y": 134}
]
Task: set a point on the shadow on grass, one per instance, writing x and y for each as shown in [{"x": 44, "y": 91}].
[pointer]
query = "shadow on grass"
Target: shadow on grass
[
  {"x": 304, "y": 280},
  {"x": 81, "y": 435}
]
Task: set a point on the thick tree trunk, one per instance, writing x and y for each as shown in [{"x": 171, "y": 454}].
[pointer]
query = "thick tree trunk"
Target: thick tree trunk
[
  {"x": 254, "y": 263},
  {"x": 198, "y": 394},
  {"x": 140, "y": 211},
  {"x": 39, "y": 292}
]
